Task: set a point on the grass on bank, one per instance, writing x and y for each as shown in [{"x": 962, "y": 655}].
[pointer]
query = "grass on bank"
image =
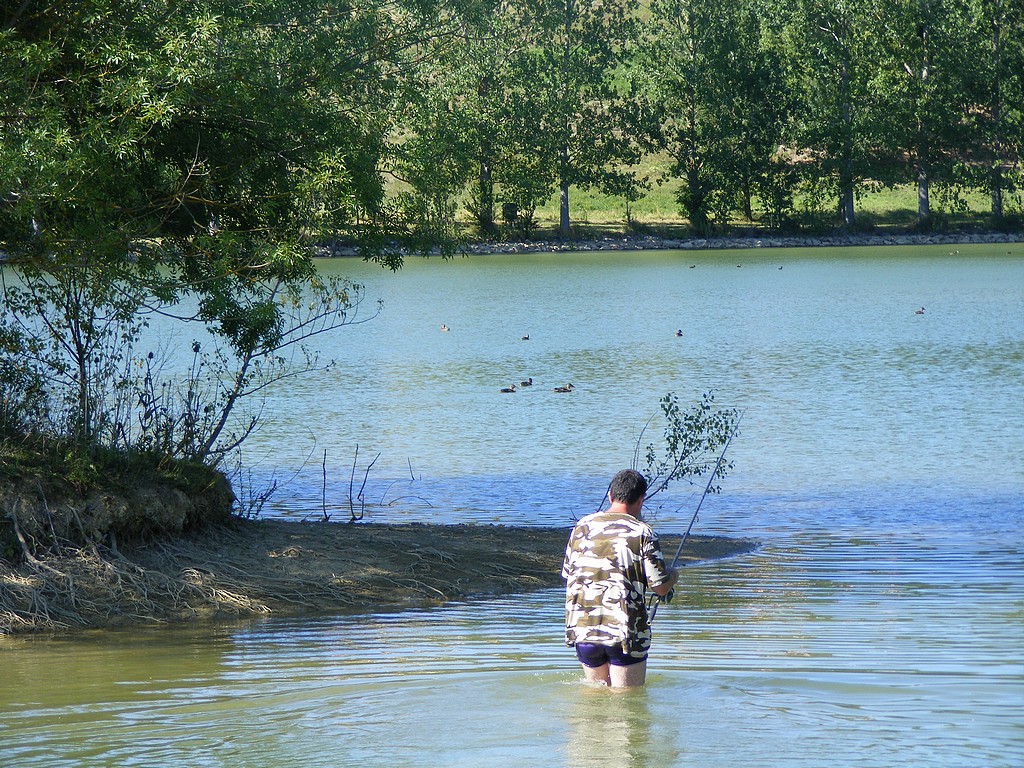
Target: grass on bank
[
  {"x": 877, "y": 207},
  {"x": 887, "y": 208},
  {"x": 43, "y": 459},
  {"x": 55, "y": 494}
]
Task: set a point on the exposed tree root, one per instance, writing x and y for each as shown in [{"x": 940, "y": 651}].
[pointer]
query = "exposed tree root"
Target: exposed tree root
[{"x": 253, "y": 568}]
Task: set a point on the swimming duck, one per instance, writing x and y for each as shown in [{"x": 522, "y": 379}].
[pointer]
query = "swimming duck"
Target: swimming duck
[
  {"x": 679, "y": 332},
  {"x": 527, "y": 383},
  {"x": 509, "y": 388},
  {"x": 919, "y": 311},
  {"x": 566, "y": 388},
  {"x": 526, "y": 337},
  {"x": 445, "y": 327}
]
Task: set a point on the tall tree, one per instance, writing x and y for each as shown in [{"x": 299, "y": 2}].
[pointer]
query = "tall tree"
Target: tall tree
[
  {"x": 996, "y": 60},
  {"x": 827, "y": 48},
  {"x": 919, "y": 80},
  {"x": 719, "y": 101},
  {"x": 435, "y": 149},
  {"x": 473, "y": 102},
  {"x": 580, "y": 47},
  {"x": 153, "y": 151}
]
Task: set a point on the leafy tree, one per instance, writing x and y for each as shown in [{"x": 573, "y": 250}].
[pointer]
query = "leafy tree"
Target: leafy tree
[
  {"x": 435, "y": 159},
  {"x": 692, "y": 439},
  {"x": 76, "y": 326},
  {"x": 826, "y": 44},
  {"x": 524, "y": 97},
  {"x": 505, "y": 126},
  {"x": 467, "y": 116},
  {"x": 440, "y": 125},
  {"x": 719, "y": 103},
  {"x": 526, "y": 168},
  {"x": 995, "y": 57},
  {"x": 152, "y": 154},
  {"x": 579, "y": 49},
  {"x": 919, "y": 79}
]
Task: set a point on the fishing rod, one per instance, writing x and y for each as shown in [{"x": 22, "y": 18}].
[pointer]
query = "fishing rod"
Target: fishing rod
[{"x": 655, "y": 601}]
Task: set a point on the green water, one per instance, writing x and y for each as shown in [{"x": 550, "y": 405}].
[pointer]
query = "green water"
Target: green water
[
  {"x": 881, "y": 465},
  {"x": 802, "y": 653}
]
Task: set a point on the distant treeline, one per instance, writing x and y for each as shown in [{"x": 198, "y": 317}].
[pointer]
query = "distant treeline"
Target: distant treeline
[
  {"x": 756, "y": 103},
  {"x": 284, "y": 120}
]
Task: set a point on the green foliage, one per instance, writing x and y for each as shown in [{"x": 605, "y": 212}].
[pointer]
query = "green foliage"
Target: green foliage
[
  {"x": 76, "y": 326},
  {"x": 436, "y": 160},
  {"x": 577, "y": 60},
  {"x": 195, "y": 154},
  {"x": 919, "y": 79},
  {"x": 50, "y": 460},
  {"x": 827, "y": 46},
  {"x": 23, "y": 407},
  {"x": 718, "y": 106},
  {"x": 789, "y": 114},
  {"x": 994, "y": 55},
  {"x": 155, "y": 155},
  {"x": 692, "y": 444},
  {"x": 267, "y": 123},
  {"x": 527, "y": 98}
]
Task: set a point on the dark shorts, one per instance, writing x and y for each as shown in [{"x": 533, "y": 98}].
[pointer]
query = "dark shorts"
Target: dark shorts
[{"x": 593, "y": 656}]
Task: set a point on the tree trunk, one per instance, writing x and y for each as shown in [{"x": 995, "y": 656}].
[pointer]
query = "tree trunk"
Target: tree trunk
[
  {"x": 563, "y": 150},
  {"x": 563, "y": 194},
  {"x": 923, "y": 209},
  {"x": 846, "y": 211},
  {"x": 996, "y": 180},
  {"x": 696, "y": 208},
  {"x": 997, "y": 193},
  {"x": 563, "y": 210},
  {"x": 485, "y": 197},
  {"x": 485, "y": 216}
]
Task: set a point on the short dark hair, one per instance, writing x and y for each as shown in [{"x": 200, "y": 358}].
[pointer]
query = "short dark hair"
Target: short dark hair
[{"x": 628, "y": 486}]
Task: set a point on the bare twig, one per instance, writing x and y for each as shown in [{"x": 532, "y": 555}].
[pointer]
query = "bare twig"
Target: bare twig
[
  {"x": 323, "y": 490},
  {"x": 351, "y": 482}
]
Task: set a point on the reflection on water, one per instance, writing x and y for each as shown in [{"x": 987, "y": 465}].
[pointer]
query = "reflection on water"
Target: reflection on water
[
  {"x": 842, "y": 383},
  {"x": 607, "y": 727},
  {"x": 881, "y": 465},
  {"x": 828, "y": 643}
]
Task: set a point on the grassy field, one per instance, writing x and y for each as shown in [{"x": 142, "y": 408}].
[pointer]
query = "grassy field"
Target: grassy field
[
  {"x": 658, "y": 212},
  {"x": 878, "y": 208},
  {"x": 882, "y": 208}
]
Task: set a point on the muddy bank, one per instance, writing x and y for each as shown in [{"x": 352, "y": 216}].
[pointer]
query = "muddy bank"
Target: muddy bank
[{"x": 283, "y": 568}]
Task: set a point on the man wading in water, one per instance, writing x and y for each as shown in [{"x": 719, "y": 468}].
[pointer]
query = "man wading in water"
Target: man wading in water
[{"x": 611, "y": 559}]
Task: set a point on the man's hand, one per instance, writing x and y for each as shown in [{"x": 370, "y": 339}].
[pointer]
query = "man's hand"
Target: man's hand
[{"x": 666, "y": 591}]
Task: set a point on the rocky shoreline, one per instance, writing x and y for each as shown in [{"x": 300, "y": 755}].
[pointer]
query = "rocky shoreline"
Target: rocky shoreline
[
  {"x": 651, "y": 243},
  {"x": 745, "y": 241}
]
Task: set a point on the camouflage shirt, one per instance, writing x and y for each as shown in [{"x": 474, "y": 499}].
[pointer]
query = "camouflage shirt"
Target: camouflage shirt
[{"x": 610, "y": 561}]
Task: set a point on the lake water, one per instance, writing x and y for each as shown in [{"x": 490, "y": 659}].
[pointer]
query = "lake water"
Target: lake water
[{"x": 880, "y": 464}]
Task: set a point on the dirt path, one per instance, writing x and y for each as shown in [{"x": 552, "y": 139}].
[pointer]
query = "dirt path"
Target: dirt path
[{"x": 291, "y": 568}]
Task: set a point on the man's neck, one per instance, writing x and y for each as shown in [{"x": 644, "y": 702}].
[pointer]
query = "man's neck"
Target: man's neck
[{"x": 621, "y": 508}]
